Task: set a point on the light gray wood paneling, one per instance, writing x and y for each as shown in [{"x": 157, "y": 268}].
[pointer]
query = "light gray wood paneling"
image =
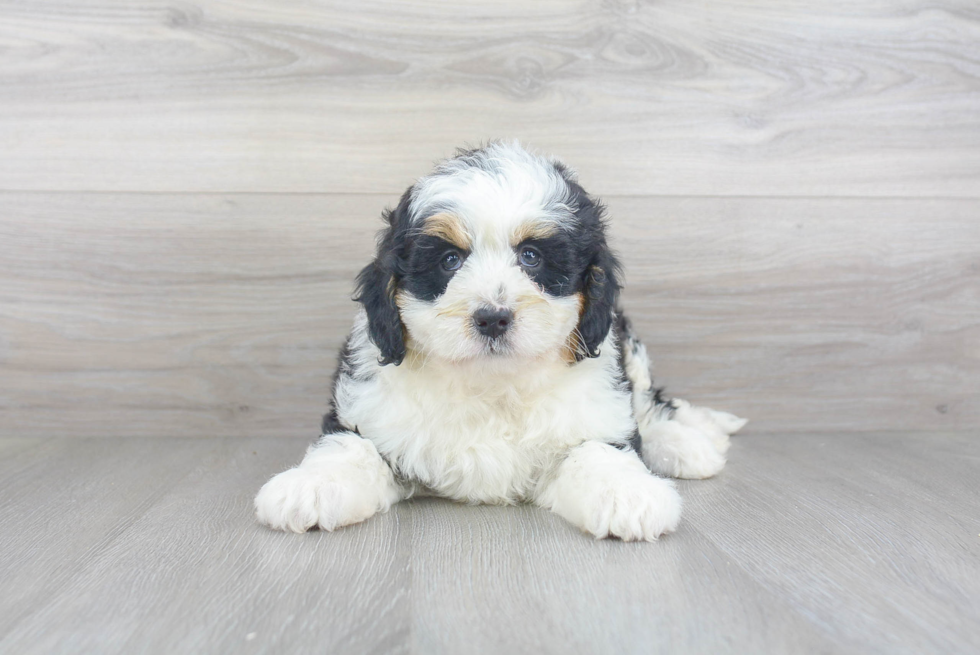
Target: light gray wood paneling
[
  {"x": 738, "y": 98},
  {"x": 817, "y": 314},
  {"x": 835, "y": 543},
  {"x": 189, "y": 315},
  {"x": 201, "y": 315}
]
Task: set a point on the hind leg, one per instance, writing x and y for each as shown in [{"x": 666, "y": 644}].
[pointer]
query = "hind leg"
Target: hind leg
[
  {"x": 716, "y": 425},
  {"x": 686, "y": 441},
  {"x": 679, "y": 440}
]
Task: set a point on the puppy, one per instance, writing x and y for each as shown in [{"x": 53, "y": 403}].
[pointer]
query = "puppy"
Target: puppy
[{"x": 490, "y": 364}]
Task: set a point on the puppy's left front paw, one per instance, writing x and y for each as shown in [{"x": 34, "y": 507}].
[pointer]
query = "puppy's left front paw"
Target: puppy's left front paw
[
  {"x": 640, "y": 509},
  {"x": 610, "y": 493}
]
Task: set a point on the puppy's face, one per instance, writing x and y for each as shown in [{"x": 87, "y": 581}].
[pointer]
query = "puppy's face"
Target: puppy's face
[
  {"x": 497, "y": 254},
  {"x": 479, "y": 285}
]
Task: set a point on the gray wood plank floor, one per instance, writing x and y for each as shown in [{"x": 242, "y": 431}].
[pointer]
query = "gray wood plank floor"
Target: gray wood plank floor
[{"x": 838, "y": 542}]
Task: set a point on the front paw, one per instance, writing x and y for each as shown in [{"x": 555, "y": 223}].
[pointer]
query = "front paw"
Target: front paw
[
  {"x": 289, "y": 501},
  {"x": 342, "y": 480},
  {"x": 300, "y": 498},
  {"x": 609, "y": 493},
  {"x": 640, "y": 509}
]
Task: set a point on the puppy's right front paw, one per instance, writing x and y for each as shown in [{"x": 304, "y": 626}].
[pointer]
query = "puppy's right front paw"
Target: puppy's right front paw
[
  {"x": 289, "y": 501},
  {"x": 299, "y": 499},
  {"x": 342, "y": 480}
]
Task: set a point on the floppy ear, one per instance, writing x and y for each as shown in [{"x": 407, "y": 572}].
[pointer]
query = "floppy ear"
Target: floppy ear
[
  {"x": 377, "y": 284},
  {"x": 600, "y": 291},
  {"x": 375, "y": 290}
]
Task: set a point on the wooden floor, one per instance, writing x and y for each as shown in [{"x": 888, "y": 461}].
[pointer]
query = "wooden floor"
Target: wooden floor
[{"x": 860, "y": 542}]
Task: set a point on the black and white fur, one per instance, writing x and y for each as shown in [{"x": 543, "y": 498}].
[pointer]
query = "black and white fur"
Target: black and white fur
[{"x": 490, "y": 364}]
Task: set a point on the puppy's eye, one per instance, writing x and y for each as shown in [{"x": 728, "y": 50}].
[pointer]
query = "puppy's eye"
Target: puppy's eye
[
  {"x": 530, "y": 257},
  {"x": 451, "y": 261}
]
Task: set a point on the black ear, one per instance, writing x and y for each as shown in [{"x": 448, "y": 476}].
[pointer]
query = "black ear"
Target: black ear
[
  {"x": 600, "y": 291},
  {"x": 375, "y": 290},
  {"x": 377, "y": 284}
]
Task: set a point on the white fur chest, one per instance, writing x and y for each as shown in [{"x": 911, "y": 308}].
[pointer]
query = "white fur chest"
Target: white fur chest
[{"x": 485, "y": 434}]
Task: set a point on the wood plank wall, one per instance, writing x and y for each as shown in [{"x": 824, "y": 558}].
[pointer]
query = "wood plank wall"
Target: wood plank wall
[{"x": 187, "y": 189}]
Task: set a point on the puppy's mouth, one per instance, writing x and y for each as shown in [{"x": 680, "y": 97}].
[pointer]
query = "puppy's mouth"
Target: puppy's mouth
[{"x": 496, "y": 346}]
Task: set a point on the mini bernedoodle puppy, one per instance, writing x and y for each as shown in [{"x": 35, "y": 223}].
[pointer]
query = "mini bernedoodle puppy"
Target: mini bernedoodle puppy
[{"x": 491, "y": 364}]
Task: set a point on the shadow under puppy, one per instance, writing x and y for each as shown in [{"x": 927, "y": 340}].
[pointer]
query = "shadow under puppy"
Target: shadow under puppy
[{"x": 490, "y": 364}]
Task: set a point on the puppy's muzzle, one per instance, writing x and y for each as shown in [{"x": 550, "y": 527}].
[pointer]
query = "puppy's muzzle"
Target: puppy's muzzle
[{"x": 492, "y": 322}]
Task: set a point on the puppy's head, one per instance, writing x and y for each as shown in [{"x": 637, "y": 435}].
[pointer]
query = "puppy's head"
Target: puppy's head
[{"x": 498, "y": 253}]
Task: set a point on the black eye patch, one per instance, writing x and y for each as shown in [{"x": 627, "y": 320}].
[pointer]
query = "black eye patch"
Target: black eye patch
[
  {"x": 424, "y": 275},
  {"x": 559, "y": 268}
]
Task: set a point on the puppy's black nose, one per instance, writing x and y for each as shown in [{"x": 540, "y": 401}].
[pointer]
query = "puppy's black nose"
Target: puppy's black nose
[{"x": 492, "y": 322}]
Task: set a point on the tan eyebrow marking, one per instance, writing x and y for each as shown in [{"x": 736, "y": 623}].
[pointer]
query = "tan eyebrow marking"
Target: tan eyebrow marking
[
  {"x": 448, "y": 227},
  {"x": 532, "y": 230}
]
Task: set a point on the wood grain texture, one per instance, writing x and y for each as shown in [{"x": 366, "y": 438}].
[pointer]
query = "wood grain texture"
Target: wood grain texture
[
  {"x": 829, "y": 313},
  {"x": 829, "y": 543},
  {"x": 192, "y": 572},
  {"x": 470, "y": 581},
  {"x": 848, "y": 504},
  {"x": 118, "y": 479},
  {"x": 220, "y": 315},
  {"x": 188, "y": 189},
  {"x": 719, "y": 97}
]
